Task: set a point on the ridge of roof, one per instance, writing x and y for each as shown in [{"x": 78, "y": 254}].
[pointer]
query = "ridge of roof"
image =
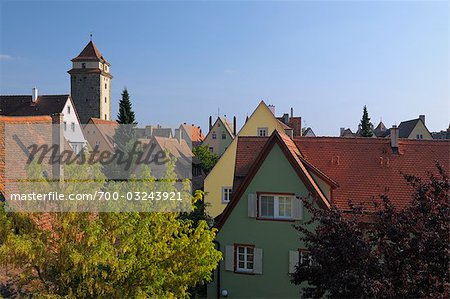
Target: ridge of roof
[
  {"x": 291, "y": 153},
  {"x": 90, "y": 52}
]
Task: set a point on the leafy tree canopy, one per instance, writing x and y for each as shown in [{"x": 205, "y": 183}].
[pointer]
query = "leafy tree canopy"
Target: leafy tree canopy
[{"x": 392, "y": 252}]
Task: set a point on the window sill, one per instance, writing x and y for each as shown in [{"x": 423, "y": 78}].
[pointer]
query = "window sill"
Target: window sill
[
  {"x": 276, "y": 219},
  {"x": 243, "y": 272}
]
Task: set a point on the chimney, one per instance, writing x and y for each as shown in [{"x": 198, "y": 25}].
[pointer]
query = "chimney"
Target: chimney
[
  {"x": 394, "y": 139},
  {"x": 286, "y": 118},
  {"x": 210, "y": 122},
  {"x": 272, "y": 109},
  {"x": 234, "y": 125},
  {"x": 422, "y": 118},
  {"x": 34, "y": 95},
  {"x": 342, "y": 132},
  {"x": 58, "y": 141},
  {"x": 292, "y": 112}
]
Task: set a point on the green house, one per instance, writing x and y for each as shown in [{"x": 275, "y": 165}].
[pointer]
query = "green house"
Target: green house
[
  {"x": 272, "y": 174},
  {"x": 256, "y": 234}
]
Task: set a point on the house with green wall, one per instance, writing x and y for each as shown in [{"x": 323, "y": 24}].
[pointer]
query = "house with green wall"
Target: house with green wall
[
  {"x": 220, "y": 135},
  {"x": 273, "y": 174}
]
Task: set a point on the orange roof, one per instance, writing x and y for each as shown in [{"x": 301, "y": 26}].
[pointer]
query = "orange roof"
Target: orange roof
[
  {"x": 194, "y": 132},
  {"x": 358, "y": 169},
  {"x": 293, "y": 156},
  {"x": 90, "y": 52},
  {"x": 366, "y": 168}
]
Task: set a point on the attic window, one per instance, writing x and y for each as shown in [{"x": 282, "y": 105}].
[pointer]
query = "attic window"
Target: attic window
[{"x": 68, "y": 109}]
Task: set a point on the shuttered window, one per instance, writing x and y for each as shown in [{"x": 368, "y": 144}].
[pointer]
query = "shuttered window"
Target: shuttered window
[{"x": 244, "y": 258}]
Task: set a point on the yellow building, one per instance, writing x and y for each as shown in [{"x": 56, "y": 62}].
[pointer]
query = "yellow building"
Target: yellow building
[
  {"x": 219, "y": 182},
  {"x": 414, "y": 129}
]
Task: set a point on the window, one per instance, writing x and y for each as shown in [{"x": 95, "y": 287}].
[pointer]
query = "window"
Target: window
[
  {"x": 262, "y": 132},
  {"x": 214, "y": 136},
  {"x": 106, "y": 86},
  {"x": 105, "y": 99},
  {"x": 68, "y": 109},
  {"x": 419, "y": 136},
  {"x": 226, "y": 194},
  {"x": 75, "y": 149},
  {"x": 275, "y": 206},
  {"x": 65, "y": 126},
  {"x": 97, "y": 142},
  {"x": 305, "y": 257},
  {"x": 244, "y": 258},
  {"x": 224, "y": 136},
  {"x": 211, "y": 149},
  {"x": 83, "y": 65},
  {"x": 72, "y": 125},
  {"x": 105, "y": 117}
]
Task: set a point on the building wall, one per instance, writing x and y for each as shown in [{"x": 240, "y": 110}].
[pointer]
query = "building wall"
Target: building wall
[
  {"x": 223, "y": 173},
  {"x": 218, "y": 145},
  {"x": 74, "y": 137},
  {"x": 276, "y": 238},
  {"x": 91, "y": 92},
  {"x": 420, "y": 129},
  {"x": 85, "y": 92}
]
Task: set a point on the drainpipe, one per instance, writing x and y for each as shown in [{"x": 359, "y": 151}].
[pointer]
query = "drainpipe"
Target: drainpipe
[{"x": 218, "y": 270}]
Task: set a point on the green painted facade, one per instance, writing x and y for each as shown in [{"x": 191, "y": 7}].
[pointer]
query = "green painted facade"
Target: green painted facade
[{"x": 276, "y": 238}]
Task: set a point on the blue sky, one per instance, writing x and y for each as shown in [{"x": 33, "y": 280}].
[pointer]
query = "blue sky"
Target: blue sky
[{"x": 182, "y": 61}]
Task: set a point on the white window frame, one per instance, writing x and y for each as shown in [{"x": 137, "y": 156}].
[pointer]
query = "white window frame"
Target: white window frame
[
  {"x": 65, "y": 126},
  {"x": 72, "y": 126},
  {"x": 304, "y": 256},
  {"x": 68, "y": 109},
  {"x": 246, "y": 255},
  {"x": 276, "y": 206},
  {"x": 226, "y": 194},
  {"x": 260, "y": 131}
]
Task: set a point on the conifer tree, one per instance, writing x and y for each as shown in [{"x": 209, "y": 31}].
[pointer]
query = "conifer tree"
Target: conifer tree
[{"x": 366, "y": 125}]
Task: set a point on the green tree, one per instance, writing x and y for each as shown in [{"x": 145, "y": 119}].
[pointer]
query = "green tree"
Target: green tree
[
  {"x": 403, "y": 253},
  {"x": 366, "y": 125},
  {"x": 124, "y": 139},
  {"x": 207, "y": 159},
  {"x": 108, "y": 255},
  {"x": 126, "y": 113}
]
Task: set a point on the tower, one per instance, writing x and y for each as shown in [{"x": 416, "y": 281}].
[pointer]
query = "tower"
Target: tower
[{"x": 90, "y": 84}]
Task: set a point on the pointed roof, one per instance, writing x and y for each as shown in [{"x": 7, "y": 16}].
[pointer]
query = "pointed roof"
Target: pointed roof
[
  {"x": 90, "y": 53},
  {"x": 22, "y": 105},
  {"x": 380, "y": 130},
  {"x": 292, "y": 154}
]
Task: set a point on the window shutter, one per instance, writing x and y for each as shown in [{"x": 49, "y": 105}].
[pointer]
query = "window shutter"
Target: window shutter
[
  {"x": 297, "y": 207},
  {"x": 252, "y": 205},
  {"x": 258, "y": 264},
  {"x": 294, "y": 258},
  {"x": 229, "y": 258}
]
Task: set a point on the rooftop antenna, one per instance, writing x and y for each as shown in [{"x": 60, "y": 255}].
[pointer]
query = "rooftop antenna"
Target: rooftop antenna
[{"x": 90, "y": 36}]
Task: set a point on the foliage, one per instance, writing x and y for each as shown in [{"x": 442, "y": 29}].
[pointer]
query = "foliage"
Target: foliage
[
  {"x": 125, "y": 140},
  {"x": 108, "y": 255},
  {"x": 389, "y": 253},
  {"x": 366, "y": 125},
  {"x": 207, "y": 158},
  {"x": 126, "y": 113}
]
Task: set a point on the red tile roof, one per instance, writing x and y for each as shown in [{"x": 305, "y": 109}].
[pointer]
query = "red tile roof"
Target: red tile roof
[
  {"x": 358, "y": 169},
  {"x": 366, "y": 168},
  {"x": 90, "y": 52},
  {"x": 194, "y": 132}
]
